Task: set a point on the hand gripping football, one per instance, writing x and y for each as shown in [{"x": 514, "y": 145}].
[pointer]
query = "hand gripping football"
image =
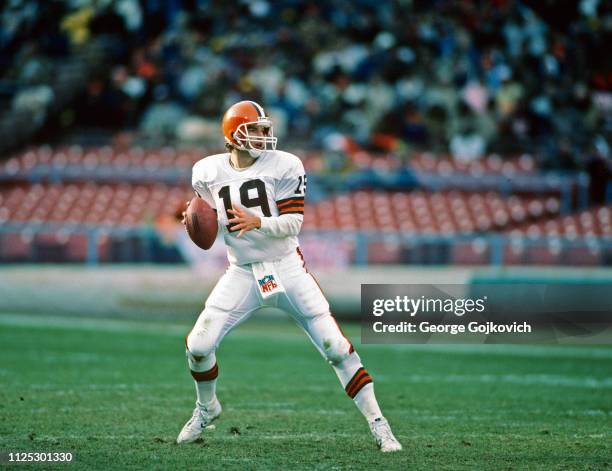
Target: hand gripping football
[{"x": 201, "y": 223}]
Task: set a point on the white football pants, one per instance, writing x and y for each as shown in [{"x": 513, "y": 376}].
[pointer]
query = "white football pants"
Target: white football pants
[{"x": 237, "y": 295}]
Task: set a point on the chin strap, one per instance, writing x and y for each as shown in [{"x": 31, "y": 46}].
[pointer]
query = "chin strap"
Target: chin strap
[{"x": 255, "y": 153}]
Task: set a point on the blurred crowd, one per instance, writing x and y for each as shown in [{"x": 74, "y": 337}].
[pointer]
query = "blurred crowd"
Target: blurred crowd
[{"x": 463, "y": 77}]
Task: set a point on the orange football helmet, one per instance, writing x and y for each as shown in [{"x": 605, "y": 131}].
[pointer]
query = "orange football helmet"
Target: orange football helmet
[{"x": 236, "y": 122}]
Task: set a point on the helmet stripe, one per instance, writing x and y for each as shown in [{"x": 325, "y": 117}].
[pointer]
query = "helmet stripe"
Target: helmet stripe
[{"x": 259, "y": 109}]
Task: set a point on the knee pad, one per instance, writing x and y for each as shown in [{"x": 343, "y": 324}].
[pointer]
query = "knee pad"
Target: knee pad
[
  {"x": 200, "y": 343},
  {"x": 336, "y": 350},
  {"x": 200, "y": 363}
]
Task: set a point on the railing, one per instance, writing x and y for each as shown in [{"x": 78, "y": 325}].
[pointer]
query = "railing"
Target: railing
[
  {"x": 143, "y": 244},
  {"x": 495, "y": 249}
]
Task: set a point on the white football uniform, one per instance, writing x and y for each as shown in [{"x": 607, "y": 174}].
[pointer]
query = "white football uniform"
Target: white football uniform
[
  {"x": 273, "y": 188},
  {"x": 266, "y": 269}
]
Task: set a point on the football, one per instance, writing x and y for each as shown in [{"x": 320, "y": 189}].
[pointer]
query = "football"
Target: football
[{"x": 201, "y": 223}]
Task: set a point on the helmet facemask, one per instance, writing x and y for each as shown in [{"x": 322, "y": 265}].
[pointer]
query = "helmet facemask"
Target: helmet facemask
[{"x": 255, "y": 145}]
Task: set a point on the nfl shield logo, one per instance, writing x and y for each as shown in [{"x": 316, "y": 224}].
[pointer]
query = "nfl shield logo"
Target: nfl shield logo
[{"x": 267, "y": 283}]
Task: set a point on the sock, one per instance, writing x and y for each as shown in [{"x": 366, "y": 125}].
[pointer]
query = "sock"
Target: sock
[
  {"x": 204, "y": 371},
  {"x": 206, "y": 391},
  {"x": 367, "y": 404},
  {"x": 358, "y": 385}
]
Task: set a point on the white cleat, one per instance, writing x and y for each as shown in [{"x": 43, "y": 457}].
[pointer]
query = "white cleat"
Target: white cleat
[
  {"x": 200, "y": 419},
  {"x": 383, "y": 435}
]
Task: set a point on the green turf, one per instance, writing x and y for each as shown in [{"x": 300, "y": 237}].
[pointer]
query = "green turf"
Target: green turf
[{"x": 117, "y": 393}]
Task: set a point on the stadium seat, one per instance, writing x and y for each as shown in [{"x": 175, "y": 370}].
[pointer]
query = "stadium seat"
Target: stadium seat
[
  {"x": 475, "y": 252},
  {"x": 428, "y": 212}
]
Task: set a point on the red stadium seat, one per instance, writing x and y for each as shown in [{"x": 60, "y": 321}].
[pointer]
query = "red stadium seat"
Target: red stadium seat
[
  {"x": 15, "y": 247},
  {"x": 471, "y": 253}
]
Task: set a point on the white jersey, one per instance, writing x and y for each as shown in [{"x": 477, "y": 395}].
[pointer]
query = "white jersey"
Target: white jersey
[{"x": 273, "y": 188}]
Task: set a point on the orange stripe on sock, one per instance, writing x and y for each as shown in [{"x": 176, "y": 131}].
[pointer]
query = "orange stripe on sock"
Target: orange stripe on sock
[
  {"x": 360, "y": 371},
  {"x": 367, "y": 379},
  {"x": 206, "y": 375},
  {"x": 357, "y": 382}
]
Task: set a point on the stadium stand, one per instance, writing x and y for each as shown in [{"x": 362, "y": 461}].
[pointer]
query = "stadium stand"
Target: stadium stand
[
  {"x": 452, "y": 132},
  {"x": 421, "y": 212},
  {"x": 90, "y": 203},
  {"x": 62, "y": 198}
]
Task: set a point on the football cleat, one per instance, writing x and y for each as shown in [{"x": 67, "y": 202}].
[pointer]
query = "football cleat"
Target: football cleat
[
  {"x": 383, "y": 435},
  {"x": 201, "y": 418}
]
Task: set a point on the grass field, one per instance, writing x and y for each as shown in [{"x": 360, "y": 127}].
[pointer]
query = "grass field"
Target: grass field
[{"x": 116, "y": 394}]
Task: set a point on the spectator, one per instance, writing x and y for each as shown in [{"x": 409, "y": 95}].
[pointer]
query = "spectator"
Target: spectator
[{"x": 386, "y": 74}]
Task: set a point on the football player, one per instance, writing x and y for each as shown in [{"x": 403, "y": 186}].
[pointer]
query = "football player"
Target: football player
[{"x": 258, "y": 194}]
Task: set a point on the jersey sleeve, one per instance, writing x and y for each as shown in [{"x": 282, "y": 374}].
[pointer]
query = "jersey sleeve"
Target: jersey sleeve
[
  {"x": 198, "y": 182},
  {"x": 291, "y": 189},
  {"x": 286, "y": 225}
]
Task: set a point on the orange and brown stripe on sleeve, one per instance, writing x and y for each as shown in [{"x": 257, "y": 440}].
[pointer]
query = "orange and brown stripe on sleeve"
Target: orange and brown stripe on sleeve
[
  {"x": 293, "y": 205},
  {"x": 357, "y": 382},
  {"x": 208, "y": 375}
]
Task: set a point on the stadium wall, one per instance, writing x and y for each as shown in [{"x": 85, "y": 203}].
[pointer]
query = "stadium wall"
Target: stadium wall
[{"x": 177, "y": 292}]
